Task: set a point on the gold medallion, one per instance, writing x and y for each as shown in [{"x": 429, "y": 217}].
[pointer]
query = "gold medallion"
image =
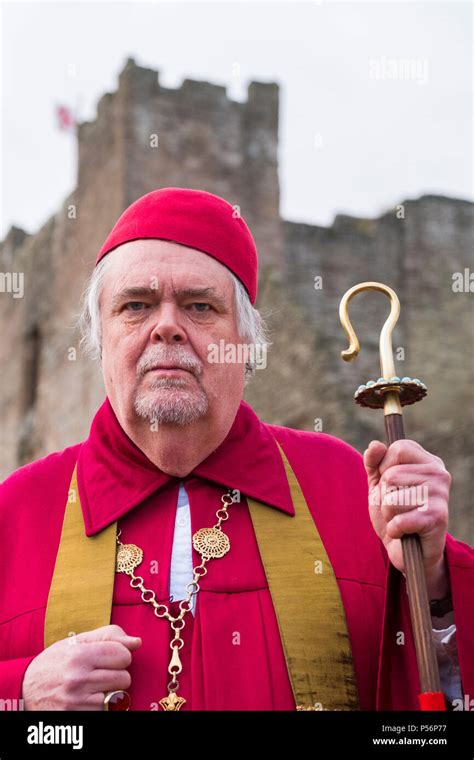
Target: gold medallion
[
  {"x": 211, "y": 543},
  {"x": 172, "y": 702},
  {"x": 129, "y": 557}
]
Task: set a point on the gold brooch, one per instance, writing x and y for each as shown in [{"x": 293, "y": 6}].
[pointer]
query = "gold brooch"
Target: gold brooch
[
  {"x": 211, "y": 543},
  {"x": 128, "y": 558}
]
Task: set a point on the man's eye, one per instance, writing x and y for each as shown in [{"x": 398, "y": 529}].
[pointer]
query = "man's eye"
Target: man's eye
[
  {"x": 201, "y": 307},
  {"x": 134, "y": 306}
]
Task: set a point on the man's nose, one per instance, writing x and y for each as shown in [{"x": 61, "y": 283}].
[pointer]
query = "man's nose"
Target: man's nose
[{"x": 167, "y": 327}]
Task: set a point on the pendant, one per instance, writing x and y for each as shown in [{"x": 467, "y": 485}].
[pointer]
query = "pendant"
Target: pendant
[
  {"x": 211, "y": 543},
  {"x": 128, "y": 558},
  {"x": 172, "y": 702}
]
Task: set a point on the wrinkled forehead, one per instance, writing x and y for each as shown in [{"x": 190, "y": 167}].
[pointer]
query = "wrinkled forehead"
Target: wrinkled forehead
[{"x": 161, "y": 265}]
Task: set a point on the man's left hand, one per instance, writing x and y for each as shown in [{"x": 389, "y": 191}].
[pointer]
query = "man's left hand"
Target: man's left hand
[{"x": 409, "y": 493}]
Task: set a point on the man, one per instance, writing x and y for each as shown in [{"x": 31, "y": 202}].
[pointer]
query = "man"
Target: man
[{"x": 188, "y": 555}]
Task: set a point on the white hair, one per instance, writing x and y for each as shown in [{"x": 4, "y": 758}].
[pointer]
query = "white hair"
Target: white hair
[{"x": 250, "y": 323}]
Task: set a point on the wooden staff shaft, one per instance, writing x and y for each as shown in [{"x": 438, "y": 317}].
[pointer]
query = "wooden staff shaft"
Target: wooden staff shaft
[{"x": 416, "y": 585}]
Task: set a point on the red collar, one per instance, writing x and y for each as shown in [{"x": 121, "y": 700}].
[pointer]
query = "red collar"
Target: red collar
[{"x": 114, "y": 475}]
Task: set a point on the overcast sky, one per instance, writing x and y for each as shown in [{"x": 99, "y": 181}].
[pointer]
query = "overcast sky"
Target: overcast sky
[{"x": 375, "y": 99}]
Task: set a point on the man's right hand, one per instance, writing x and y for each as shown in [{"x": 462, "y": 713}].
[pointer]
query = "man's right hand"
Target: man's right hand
[{"x": 75, "y": 673}]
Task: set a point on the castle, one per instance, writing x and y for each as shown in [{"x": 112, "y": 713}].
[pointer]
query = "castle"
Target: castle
[{"x": 147, "y": 136}]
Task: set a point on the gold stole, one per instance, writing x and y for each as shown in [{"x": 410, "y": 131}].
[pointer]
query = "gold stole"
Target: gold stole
[{"x": 303, "y": 587}]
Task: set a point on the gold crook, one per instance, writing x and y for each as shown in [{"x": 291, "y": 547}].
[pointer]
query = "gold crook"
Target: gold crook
[{"x": 387, "y": 365}]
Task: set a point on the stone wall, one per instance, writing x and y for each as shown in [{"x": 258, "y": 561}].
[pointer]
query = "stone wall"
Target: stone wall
[{"x": 147, "y": 136}]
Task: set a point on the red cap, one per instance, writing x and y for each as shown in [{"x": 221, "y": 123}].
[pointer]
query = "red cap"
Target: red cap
[{"x": 196, "y": 219}]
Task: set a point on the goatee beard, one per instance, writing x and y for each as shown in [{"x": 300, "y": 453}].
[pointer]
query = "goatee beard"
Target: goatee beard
[{"x": 166, "y": 403}]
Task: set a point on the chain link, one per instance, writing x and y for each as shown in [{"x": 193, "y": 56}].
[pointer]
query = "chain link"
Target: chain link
[{"x": 162, "y": 611}]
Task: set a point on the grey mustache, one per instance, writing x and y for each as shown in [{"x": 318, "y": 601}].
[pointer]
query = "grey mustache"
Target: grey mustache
[{"x": 178, "y": 358}]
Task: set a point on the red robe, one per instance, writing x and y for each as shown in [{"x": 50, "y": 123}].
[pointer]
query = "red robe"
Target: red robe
[{"x": 233, "y": 657}]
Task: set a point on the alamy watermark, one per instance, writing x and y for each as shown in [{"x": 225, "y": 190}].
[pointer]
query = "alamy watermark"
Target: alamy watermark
[
  {"x": 463, "y": 282},
  {"x": 237, "y": 353},
  {"x": 408, "y": 496},
  {"x": 12, "y": 282},
  {"x": 399, "y": 69}
]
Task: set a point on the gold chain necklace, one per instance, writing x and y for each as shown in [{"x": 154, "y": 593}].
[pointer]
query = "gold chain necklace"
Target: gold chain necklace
[{"x": 210, "y": 543}]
